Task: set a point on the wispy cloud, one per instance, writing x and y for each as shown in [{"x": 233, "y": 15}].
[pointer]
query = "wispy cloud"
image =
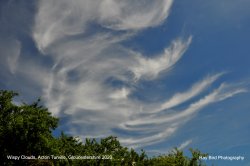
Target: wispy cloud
[
  {"x": 131, "y": 15},
  {"x": 80, "y": 83},
  {"x": 219, "y": 94},
  {"x": 92, "y": 77},
  {"x": 185, "y": 144},
  {"x": 156, "y": 123},
  {"x": 168, "y": 150},
  {"x": 10, "y": 49},
  {"x": 14, "y": 56},
  {"x": 150, "y": 68},
  {"x": 196, "y": 89},
  {"x": 58, "y": 19},
  {"x": 149, "y": 140}
]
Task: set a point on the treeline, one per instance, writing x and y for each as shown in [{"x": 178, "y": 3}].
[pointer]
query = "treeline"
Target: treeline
[{"x": 26, "y": 133}]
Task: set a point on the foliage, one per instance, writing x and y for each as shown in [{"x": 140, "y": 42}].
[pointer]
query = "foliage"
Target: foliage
[
  {"x": 26, "y": 129},
  {"x": 177, "y": 158}
]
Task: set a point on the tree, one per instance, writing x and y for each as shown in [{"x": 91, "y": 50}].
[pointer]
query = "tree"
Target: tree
[
  {"x": 176, "y": 158},
  {"x": 24, "y": 129}
]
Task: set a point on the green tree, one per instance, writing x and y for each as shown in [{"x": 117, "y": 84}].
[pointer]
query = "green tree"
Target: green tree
[
  {"x": 25, "y": 129},
  {"x": 177, "y": 158}
]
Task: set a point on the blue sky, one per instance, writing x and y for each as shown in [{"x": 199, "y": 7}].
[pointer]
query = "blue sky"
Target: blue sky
[{"x": 157, "y": 74}]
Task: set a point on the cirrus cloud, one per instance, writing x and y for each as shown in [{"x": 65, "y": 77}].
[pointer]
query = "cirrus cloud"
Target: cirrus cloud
[{"x": 92, "y": 78}]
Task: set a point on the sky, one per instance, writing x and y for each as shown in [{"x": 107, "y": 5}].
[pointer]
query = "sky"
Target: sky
[{"x": 156, "y": 74}]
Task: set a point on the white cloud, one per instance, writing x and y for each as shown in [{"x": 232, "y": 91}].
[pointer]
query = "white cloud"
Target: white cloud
[
  {"x": 152, "y": 139},
  {"x": 196, "y": 89},
  {"x": 94, "y": 76},
  {"x": 151, "y": 67},
  {"x": 153, "y": 125},
  {"x": 13, "y": 56},
  {"x": 120, "y": 94},
  {"x": 185, "y": 144},
  {"x": 57, "y": 19},
  {"x": 10, "y": 49},
  {"x": 133, "y": 15},
  {"x": 219, "y": 94},
  {"x": 169, "y": 150},
  {"x": 79, "y": 80}
]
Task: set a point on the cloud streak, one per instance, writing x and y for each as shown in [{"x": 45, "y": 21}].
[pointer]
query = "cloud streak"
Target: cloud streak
[
  {"x": 92, "y": 78},
  {"x": 150, "y": 68},
  {"x": 192, "y": 92},
  {"x": 131, "y": 15},
  {"x": 156, "y": 123},
  {"x": 83, "y": 80},
  {"x": 185, "y": 144}
]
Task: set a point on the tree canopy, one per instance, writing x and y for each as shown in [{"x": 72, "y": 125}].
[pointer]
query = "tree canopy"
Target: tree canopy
[{"x": 26, "y": 132}]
